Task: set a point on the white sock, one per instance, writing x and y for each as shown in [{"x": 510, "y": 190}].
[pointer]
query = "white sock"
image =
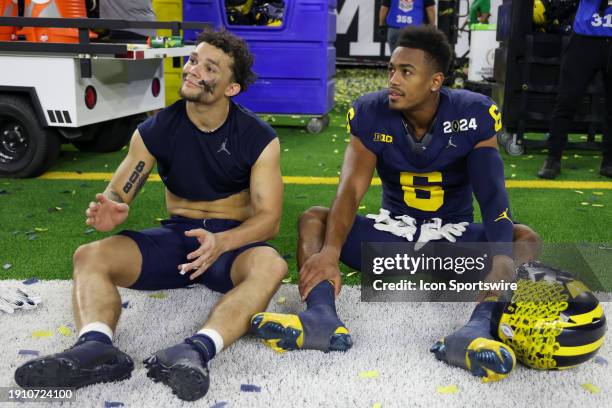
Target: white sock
[
  {"x": 99, "y": 327},
  {"x": 215, "y": 337}
]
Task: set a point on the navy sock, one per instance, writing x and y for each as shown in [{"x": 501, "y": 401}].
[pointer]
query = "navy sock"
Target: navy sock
[
  {"x": 96, "y": 336},
  {"x": 204, "y": 345},
  {"x": 322, "y": 295}
]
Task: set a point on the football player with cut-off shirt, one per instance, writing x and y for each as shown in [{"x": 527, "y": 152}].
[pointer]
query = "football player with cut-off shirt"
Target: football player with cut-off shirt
[{"x": 433, "y": 148}]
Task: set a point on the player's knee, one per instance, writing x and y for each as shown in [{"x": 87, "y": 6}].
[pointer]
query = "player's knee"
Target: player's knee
[
  {"x": 316, "y": 213},
  {"x": 87, "y": 258},
  {"x": 527, "y": 244}
]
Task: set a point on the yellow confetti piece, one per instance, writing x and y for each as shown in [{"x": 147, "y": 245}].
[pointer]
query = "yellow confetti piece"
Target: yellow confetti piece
[
  {"x": 513, "y": 175},
  {"x": 38, "y": 334},
  {"x": 369, "y": 374},
  {"x": 160, "y": 295},
  {"x": 449, "y": 389},
  {"x": 58, "y": 208},
  {"x": 377, "y": 405},
  {"x": 286, "y": 150},
  {"x": 578, "y": 191},
  {"x": 599, "y": 193},
  {"x": 563, "y": 157},
  {"x": 590, "y": 388},
  {"x": 287, "y": 280},
  {"x": 362, "y": 207},
  {"x": 159, "y": 219},
  {"x": 38, "y": 229},
  {"x": 281, "y": 300},
  {"x": 577, "y": 156},
  {"x": 597, "y": 205},
  {"x": 348, "y": 275},
  {"x": 347, "y": 140},
  {"x": 584, "y": 203},
  {"x": 513, "y": 166},
  {"x": 64, "y": 331},
  {"x": 336, "y": 151}
]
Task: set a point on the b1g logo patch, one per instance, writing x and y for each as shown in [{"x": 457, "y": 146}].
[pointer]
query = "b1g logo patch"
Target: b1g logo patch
[
  {"x": 461, "y": 125},
  {"x": 381, "y": 137}
]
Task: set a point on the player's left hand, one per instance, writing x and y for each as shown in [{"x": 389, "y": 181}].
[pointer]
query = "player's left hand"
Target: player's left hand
[
  {"x": 503, "y": 268},
  {"x": 202, "y": 258}
]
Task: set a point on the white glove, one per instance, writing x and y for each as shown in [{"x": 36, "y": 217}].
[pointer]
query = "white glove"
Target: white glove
[
  {"x": 402, "y": 226},
  {"x": 13, "y": 298},
  {"x": 434, "y": 230}
]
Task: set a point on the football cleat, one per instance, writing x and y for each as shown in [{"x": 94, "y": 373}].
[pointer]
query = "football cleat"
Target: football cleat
[
  {"x": 485, "y": 358},
  {"x": 284, "y": 332},
  {"x": 182, "y": 368},
  {"x": 85, "y": 363}
]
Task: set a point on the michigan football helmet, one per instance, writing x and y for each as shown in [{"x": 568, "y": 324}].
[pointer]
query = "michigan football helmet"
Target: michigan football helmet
[{"x": 553, "y": 321}]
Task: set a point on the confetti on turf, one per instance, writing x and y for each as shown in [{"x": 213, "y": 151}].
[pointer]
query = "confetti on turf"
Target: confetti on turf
[
  {"x": 286, "y": 150},
  {"x": 39, "y": 229},
  {"x": 513, "y": 166},
  {"x": 30, "y": 281},
  {"x": 601, "y": 361},
  {"x": 89, "y": 231},
  {"x": 597, "y": 205},
  {"x": 348, "y": 275},
  {"x": 563, "y": 157},
  {"x": 577, "y": 156},
  {"x": 336, "y": 151},
  {"x": 64, "y": 331},
  {"x": 113, "y": 404},
  {"x": 159, "y": 219},
  {"x": 38, "y": 334},
  {"x": 347, "y": 140},
  {"x": 578, "y": 192},
  {"x": 249, "y": 388},
  {"x": 598, "y": 193},
  {"x": 219, "y": 404},
  {"x": 584, "y": 203},
  {"x": 369, "y": 374},
  {"x": 362, "y": 207},
  {"x": 7, "y": 266},
  {"x": 28, "y": 352},
  {"x": 513, "y": 175},
  {"x": 449, "y": 389},
  {"x": 287, "y": 280},
  {"x": 125, "y": 304},
  {"x": 160, "y": 295},
  {"x": 590, "y": 388}
]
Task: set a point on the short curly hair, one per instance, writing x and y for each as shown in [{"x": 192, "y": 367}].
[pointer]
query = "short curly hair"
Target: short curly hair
[
  {"x": 236, "y": 48},
  {"x": 430, "y": 40}
]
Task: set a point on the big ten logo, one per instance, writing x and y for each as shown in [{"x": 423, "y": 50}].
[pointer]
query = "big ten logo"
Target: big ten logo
[{"x": 381, "y": 137}]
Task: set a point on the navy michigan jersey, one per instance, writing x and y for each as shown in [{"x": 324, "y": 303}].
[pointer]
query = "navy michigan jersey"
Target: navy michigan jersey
[{"x": 429, "y": 178}]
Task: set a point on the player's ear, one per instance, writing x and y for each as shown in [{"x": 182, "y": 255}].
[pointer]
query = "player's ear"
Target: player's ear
[
  {"x": 437, "y": 80},
  {"x": 232, "y": 89}
]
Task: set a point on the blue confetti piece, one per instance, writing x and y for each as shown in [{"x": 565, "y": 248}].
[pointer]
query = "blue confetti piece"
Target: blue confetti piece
[
  {"x": 113, "y": 404},
  {"x": 30, "y": 281},
  {"x": 601, "y": 361},
  {"x": 249, "y": 388},
  {"x": 220, "y": 404},
  {"x": 125, "y": 304},
  {"x": 29, "y": 352}
]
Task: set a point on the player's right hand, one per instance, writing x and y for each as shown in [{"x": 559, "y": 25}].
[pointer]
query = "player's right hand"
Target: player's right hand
[
  {"x": 105, "y": 214},
  {"x": 318, "y": 268}
]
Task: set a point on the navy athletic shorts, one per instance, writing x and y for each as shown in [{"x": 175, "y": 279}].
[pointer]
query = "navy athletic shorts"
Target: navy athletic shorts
[{"x": 165, "y": 247}]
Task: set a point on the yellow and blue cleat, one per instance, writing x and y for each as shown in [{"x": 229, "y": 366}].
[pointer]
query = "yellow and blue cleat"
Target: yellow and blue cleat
[
  {"x": 486, "y": 358},
  {"x": 284, "y": 332}
]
